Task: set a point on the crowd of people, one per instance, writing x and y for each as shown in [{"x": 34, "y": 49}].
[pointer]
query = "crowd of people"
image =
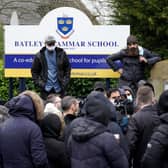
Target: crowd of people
[
  {"x": 123, "y": 127},
  {"x": 112, "y": 128}
]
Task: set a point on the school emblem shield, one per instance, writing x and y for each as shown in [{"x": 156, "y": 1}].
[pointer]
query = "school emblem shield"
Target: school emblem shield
[{"x": 65, "y": 26}]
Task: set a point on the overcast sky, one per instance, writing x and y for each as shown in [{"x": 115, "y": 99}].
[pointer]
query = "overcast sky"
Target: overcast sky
[{"x": 98, "y": 8}]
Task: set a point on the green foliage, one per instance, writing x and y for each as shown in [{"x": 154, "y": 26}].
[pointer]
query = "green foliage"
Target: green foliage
[
  {"x": 1, "y": 42},
  {"x": 81, "y": 87},
  {"x": 4, "y": 85},
  {"x": 148, "y": 20}
]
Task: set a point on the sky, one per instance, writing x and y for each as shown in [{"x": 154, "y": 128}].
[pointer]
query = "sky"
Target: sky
[{"x": 98, "y": 8}]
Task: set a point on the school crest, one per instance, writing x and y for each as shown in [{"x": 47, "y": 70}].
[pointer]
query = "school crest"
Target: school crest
[{"x": 65, "y": 26}]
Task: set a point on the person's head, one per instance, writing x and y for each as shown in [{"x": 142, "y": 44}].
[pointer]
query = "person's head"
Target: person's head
[
  {"x": 99, "y": 86},
  {"x": 51, "y": 126},
  {"x": 146, "y": 83},
  {"x": 53, "y": 105},
  {"x": 70, "y": 105},
  {"x": 55, "y": 99},
  {"x": 132, "y": 46},
  {"x": 145, "y": 96},
  {"x": 128, "y": 93},
  {"x": 113, "y": 95},
  {"x": 50, "y": 43},
  {"x": 97, "y": 107}
]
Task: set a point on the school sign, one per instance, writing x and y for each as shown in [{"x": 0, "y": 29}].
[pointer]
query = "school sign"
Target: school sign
[{"x": 87, "y": 45}]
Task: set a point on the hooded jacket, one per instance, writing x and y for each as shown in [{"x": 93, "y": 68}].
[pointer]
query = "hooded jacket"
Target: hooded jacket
[
  {"x": 90, "y": 144},
  {"x": 21, "y": 142}
]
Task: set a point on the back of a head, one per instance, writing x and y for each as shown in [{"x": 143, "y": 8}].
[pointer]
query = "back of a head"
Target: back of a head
[
  {"x": 51, "y": 125},
  {"x": 146, "y": 83},
  {"x": 99, "y": 86},
  {"x": 163, "y": 102},
  {"x": 97, "y": 107},
  {"x": 144, "y": 95}
]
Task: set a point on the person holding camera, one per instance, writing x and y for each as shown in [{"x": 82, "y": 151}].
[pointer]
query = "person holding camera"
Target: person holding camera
[{"x": 122, "y": 105}]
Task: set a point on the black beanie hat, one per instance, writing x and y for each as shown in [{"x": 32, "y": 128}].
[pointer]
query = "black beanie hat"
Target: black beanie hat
[
  {"x": 131, "y": 39},
  {"x": 163, "y": 102}
]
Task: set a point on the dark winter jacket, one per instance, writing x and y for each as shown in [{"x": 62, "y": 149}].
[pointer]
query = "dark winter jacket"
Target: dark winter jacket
[
  {"x": 90, "y": 145},
  {"x": 51, "y": 128},
  {"x": 157, "y": 149},
  {"x": 67, "y": 129},
  {"x": 133, "y": 70},
  {"x": 115, "y": 129},
  {"x": 140, "y": 129},
  {"x": 69, "y": 118},
  {"x": 39, "y": 68},
  {"x": 21, "y": 142}
]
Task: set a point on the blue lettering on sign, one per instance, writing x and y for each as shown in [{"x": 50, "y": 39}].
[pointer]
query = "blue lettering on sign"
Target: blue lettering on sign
[
  {"x": 88, "y": 61},
  {"x": 18, "y": 61},
  {"x": 77, "y": 61}
]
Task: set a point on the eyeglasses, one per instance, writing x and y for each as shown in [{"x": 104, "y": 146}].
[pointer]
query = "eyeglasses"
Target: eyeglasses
[{"x": 51, "y": 44}]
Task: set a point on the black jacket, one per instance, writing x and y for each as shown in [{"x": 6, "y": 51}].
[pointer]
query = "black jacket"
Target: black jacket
[
  {"x": 51, "y": 128},
  {"x": 39, "y": 68},
  {"x": 90, "y": 145},
  {"x": 157, "y": 149},
  {"x": 133, "y": 70},
  {"x": 116, "y": 130},
  {"x": 140, "y": 129}
]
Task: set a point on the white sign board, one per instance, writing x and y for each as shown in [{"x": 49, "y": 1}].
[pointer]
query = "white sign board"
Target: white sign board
[{"x": 87, "y": 45}]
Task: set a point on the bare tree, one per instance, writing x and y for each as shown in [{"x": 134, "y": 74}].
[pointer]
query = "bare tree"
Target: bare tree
[
  {"x": 101, "y": 9},
  {"x": 26, "y": 9},
  {"x": 51, "y": 4},
  {"x": 31, "y": 11}
]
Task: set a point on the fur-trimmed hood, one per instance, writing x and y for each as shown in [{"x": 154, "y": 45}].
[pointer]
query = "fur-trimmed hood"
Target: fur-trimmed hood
[
  {"x": 37, "y": 101},
  {"x": 27, "y": 104}
]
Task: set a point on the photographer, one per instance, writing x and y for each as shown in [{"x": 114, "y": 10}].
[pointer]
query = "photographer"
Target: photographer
[{"x": 123, "y": 106}]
